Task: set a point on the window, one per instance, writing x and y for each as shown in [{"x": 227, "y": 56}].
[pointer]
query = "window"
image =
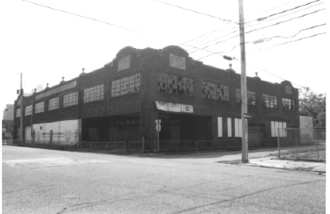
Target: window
[
  {"x": 288, "y": 89},
  {"x": 238, "y": 127},
  {"x": 124, "y": 63},
  {"x": 39, "y": 107},
  {"x": 269, "y": 101},
  {"x": 175, "y": 84},
  {"x": 251, "y": 97},
  {"x": 177, "y": 62},
  {"x": 288, "y": 104},
  {"x": 94, "y": 93},
  {"x": 28, "y": 110},
  {"x": 229, "y": 131},
  {"x": 18, "y": 112},
  {"x": 126, "y": 85},
  {"x": 53, "y": 103},
  {"x": 219, "y": 126},
  {"x": 70, "y": 99},
  {"x": 278, "y": 129},
  {"x": 215, "y": 91}
]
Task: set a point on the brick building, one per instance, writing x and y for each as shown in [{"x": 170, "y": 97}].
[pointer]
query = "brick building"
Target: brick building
[{"x": 122, "y": 100}]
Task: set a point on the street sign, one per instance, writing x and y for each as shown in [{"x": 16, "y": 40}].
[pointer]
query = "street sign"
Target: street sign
[
  {"x": 158, "y": 127},
  {"x": 247, "y": 116}
]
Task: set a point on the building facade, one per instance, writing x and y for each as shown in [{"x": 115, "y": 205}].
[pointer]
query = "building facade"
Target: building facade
[
  {"x": 8, "y": 122},
  {"x": 122, "y": 101}
]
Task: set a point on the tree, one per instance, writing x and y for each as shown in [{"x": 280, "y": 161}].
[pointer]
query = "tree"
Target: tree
[{"x": 313, "y": 105}]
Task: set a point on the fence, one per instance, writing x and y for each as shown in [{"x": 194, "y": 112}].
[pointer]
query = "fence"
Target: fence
[
  {"x": 301, "y": 144},
  {"x": 138, "y": 146}
]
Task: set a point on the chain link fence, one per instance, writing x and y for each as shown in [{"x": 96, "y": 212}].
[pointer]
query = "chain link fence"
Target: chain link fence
[
  {"x": 137, "y": 146},
  {"x": 301, "y": 144}
]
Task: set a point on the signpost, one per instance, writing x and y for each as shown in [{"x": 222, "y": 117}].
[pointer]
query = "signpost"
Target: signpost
[
  {"x": 247, "y": 116},
  {"x": 158, "y": 128}
]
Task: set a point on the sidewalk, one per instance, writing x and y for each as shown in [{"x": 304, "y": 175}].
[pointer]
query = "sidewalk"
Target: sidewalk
[
  {"x": 272, "y": 162},
  {"x": 257, "y": 158}
]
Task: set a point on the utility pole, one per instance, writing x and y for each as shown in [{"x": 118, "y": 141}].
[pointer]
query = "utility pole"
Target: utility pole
[
  {"x": 243, "y": 86},
  {"x": 21, "y": 108}
]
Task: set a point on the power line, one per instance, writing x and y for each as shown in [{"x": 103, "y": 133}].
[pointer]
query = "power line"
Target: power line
[
  {"x": 287, "y": 37},
  {"x": 81, "y": 16},
  {"x": 278, "y": 23},
  {"x": 284, "y": 11},
  {"x": 275, "y": 8},
  {"x": 194, "y": 11},
  {"x": 307, "y": 37},
  {"x": 262, "y": 23},
  {"x": 281, "y": 22},
  {"x": 300, "y": 39}
]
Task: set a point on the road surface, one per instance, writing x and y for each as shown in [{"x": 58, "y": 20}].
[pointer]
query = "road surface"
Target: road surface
[{"x": 50, "y": 181}]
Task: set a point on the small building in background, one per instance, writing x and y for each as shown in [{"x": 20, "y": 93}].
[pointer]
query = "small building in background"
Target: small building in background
[{"x": 8, "y": 122}]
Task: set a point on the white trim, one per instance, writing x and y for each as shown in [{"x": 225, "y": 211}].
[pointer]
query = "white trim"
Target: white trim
[
  {"x": 229, "y": 130},
  {"x": 220, "y": 127}
]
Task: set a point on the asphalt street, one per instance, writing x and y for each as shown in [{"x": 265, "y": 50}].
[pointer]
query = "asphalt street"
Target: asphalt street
[{"x": 50, "y": 181}]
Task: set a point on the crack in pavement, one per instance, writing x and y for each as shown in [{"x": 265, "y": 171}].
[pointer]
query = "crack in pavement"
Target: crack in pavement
[
  {"x": 242, "y": 196},
  {"x": 91, "y": 204}
]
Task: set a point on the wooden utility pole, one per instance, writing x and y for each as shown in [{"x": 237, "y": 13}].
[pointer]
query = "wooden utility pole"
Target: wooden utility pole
[
  {"x": 21, "y": 108},
  {"x": 243, "y": 86}
]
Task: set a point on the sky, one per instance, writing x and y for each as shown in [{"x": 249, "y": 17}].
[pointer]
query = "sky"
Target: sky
[{"x": 45, "y": 44}]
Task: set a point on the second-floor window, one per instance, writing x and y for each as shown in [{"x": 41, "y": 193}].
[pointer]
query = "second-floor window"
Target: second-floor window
[
  {"x": 39, "y": 107},
  {"x": 124, "y": 63},
  {"x": 18, "y": 112},
  {"x": 126, "y": 85},
  {"x": 53, "y": 103},
  {"x": 94, "y": 93},
  {"x": 215, "y": 91},
  {"x": 288, "y": 104},
  {"x": 70, "y": 99},
  {"x": 177, "y": 62},
  {"x": 28, "y": 110},
  {"x": 173, "y": 84},
  {"x": 269, "y": 101},
  {"x": 251, "y": 97}
]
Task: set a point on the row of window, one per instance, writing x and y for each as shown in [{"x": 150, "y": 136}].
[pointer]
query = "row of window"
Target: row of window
[
  {"x": 119, "y": 87},
  {"x": 277, "y": 128},
  {"x": 168, "y": 83}
]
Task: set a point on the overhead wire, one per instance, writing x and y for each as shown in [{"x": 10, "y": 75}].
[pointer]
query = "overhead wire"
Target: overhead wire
[
  {"x": 194, "y": 11},
  {"x": 285, "y": 37},
  {"x": 278, "y": 23},
  {"x": 82, "y": 16},
  {"x": 233, "y": 32},
  {"x": 284, "y": 11}
]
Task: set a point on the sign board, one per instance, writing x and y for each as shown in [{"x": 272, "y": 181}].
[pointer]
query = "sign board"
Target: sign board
[
  {"x": 174, "y": 107},
  {"x": 247, "y": 115},
  {"x": 158, "y": 126}
]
